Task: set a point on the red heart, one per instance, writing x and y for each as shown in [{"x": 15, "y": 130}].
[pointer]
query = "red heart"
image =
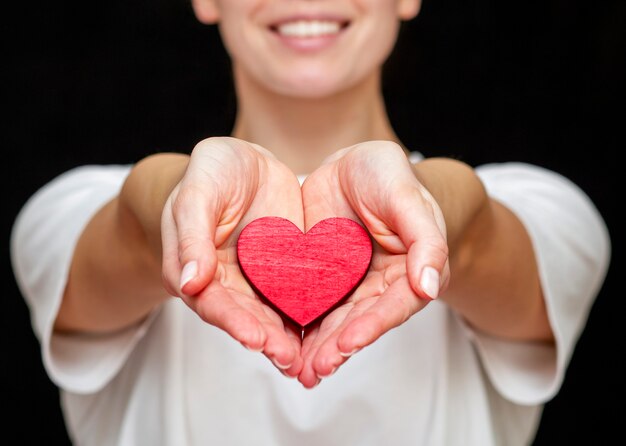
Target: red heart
[{"x": 304, "y": 275}]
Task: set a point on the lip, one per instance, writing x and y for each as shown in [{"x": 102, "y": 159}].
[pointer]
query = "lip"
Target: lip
[
  {"x": 309, "y": 44},
  {"x": 310, "y": 17}
]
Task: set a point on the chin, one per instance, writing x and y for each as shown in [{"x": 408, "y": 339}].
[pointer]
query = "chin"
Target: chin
[
  {"x": 309, "y": 80},
  {"x": 307, "y": 91},
  {"x": 311, "y": 86}
]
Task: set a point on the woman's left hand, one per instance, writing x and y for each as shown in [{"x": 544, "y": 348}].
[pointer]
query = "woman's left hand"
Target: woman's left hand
[{"x": 374, "y": 182}]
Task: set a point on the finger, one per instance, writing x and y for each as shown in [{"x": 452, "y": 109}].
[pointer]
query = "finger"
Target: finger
[
  {"x": 170, "y": 262},
  {"x": 328, "y": 357},
  {"x": 195, "y": 218},
  {"x": 295, "y": 336},
  {"x": 322, "y": 197},
  {"x": 310, "y": 333},
  {"x": 279, "y": 347},
  {"x": 311, "y": 376},
  {"x": 395, "y": 306},
  {"x": 280, "y": 194},
  {"x": 251, "y": 323},
  {"x": 418, "y": 222},
  {"x": 307, "y": 376},
  {"x": 329, "y": 328},
  {"x": 217, "y": 307}
]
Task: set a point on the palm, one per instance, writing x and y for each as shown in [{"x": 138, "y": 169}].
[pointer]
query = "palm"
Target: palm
[
  {"x": 229, "y": 303},
  {"x": 385, "y": 298},
  {"x": 224, "y": 298},
  {"x": 361, "y": 318}
]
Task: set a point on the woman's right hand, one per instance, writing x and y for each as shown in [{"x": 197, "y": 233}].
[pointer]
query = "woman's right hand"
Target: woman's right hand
[{"x": 227, "y": 184}]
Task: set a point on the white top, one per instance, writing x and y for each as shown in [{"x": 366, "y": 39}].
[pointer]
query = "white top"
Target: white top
[{"x": 175, "y": 380}]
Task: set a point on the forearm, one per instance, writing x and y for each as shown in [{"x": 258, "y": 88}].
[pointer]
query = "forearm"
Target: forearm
[
  {"x": 115, "y": 277},
  {"x": 494, "y": 278}
]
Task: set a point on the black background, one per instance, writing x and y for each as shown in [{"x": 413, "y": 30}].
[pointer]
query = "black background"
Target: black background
[{"x": 481, "y": 81}]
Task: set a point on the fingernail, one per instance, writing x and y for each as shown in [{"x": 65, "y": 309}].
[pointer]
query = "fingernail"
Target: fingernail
[
  {"x": 316, "y": 384},
  {"x": 430, "y": 282},
  {"x": 329, "y": 375},
  {"x": 190, "y": 270},
  {"x": 347, "y": 355},
  {"x": 279, "y": 365}
]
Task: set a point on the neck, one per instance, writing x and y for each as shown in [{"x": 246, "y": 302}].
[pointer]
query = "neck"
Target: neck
[{"x": 302, "y": 132}]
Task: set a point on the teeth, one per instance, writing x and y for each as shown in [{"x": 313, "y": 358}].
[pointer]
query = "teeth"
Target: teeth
[{"x": 309, "y": 28}]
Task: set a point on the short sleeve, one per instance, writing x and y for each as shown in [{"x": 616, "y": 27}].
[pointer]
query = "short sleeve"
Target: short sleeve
[
  {"x": 572, "y": 249},
  {"x": 43, "y": 240}
]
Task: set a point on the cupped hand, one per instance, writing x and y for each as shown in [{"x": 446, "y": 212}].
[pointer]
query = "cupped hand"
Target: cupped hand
[
  {"x": 227, "y": 184},
  {"x": 374, "y": 182}
]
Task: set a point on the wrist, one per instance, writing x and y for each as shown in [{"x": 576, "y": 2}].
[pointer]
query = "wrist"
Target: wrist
[
  {"x": 459, "y": 192},
  {"x": 146, "y": 191}
]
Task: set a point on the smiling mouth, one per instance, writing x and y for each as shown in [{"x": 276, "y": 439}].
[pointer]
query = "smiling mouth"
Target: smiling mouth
[{"x": 307, "y": 29}]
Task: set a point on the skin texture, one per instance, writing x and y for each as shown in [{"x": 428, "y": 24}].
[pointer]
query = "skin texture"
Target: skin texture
[{"x": 320, "y": 113}]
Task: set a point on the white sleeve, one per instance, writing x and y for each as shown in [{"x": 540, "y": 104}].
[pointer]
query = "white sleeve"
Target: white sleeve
[
  {"x": 44, "y": 236},
  {"x": 572, "y": 248}
]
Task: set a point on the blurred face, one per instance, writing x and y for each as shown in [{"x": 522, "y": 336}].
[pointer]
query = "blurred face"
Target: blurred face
[{"x": 307, "y": 48}]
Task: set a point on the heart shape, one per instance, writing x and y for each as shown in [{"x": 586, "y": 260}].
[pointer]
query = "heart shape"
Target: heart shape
[{"x": 304, "y": 275}]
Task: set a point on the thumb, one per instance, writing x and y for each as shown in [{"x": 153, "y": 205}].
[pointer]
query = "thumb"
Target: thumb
[
  {"x": 421, "y": 228},
  {"x": 189, "y": 253}
]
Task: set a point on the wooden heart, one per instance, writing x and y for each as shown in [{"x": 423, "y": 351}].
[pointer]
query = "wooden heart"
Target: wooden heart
[{"x": 304, "y": 275}]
